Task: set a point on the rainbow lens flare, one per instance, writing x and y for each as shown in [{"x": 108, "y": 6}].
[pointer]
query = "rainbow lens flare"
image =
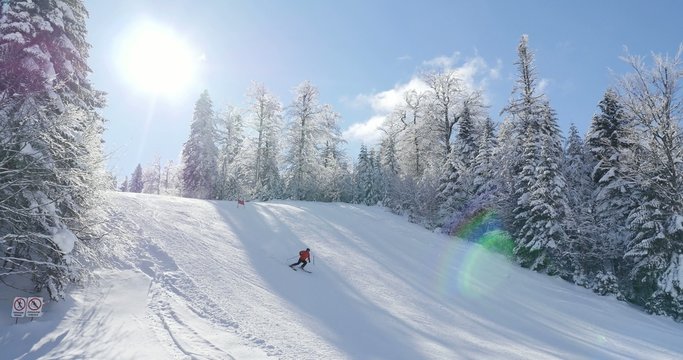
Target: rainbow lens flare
[{"x": 474, "y": 271}]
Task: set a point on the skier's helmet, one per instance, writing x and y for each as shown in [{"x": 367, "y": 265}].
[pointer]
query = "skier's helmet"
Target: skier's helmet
[{"x": 307, "y": 249}]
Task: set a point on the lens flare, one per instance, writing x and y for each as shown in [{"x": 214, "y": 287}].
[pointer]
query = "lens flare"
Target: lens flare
[{"x": 472, "y": 271}]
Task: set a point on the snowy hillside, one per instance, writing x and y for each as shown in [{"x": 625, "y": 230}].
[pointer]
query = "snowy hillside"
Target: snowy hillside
[{"x": 208, "y": 280}]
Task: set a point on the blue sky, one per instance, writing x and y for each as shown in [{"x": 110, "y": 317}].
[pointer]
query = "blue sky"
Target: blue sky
[{"x": 360, "y": 54}]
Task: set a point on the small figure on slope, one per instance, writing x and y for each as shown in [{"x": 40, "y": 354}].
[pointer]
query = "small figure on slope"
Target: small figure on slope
[{"x": 304, "y": 258}]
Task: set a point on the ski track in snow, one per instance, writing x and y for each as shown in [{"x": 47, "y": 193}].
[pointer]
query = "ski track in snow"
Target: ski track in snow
[
  {"x": 178, "y": 302},
  {"x": 207, "y": 280}
]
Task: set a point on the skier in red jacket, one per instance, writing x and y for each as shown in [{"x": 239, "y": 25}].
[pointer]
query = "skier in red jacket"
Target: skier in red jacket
[{"x": 304, "y": 258}]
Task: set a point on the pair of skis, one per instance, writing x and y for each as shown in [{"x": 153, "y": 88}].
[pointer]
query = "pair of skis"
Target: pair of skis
[{"x": 302, "y": 269}]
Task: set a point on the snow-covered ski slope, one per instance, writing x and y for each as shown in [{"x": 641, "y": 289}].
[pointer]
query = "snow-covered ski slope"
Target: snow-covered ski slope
[{"x": 208, "y": 280}]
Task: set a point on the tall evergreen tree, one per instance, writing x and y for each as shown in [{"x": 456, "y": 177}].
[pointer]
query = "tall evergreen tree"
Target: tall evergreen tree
[
  {"x": 452, "y": 190},
  {"x": 611, "y": 144},
  {"x": 516, "y": 135},
  {"x": 124, "y": 185},
  {"x": 583, "y": 230},
  {"x": 483, "y": 171},
  {"x": 537, "y": 185},
  {"x": 136, "y": 180},
  {"x": 456, "y": 186},
  {"x": 51, "y": 139},
  {"x": 389, "y": 166},
  {"x": 366, "y": 177},
  {"x": 200, "y": 154}
]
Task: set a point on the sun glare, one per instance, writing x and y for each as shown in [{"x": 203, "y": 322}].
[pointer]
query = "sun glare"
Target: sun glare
[{"x": 153, "y": 58}]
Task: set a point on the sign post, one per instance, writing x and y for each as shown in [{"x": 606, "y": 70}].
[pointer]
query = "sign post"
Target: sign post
[
  {"x": 34, "y": 307},
  {"x": 19, "y": 308}
]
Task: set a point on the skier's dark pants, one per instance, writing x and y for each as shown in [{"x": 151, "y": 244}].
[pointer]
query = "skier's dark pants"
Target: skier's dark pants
[{"x": 299, "y": 262}]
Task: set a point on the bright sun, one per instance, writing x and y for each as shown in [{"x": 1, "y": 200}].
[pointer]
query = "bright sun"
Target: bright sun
[{"x": 155, "y": 59}]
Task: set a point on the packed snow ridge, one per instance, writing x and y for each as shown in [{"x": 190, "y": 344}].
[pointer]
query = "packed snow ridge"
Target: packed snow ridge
[{"x": 209, "y": 280}]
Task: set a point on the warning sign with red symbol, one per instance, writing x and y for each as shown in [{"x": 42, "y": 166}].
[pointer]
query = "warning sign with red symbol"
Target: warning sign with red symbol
[
  {"x": 19, "y": 307},
  {"x": 34, "y": 306}
]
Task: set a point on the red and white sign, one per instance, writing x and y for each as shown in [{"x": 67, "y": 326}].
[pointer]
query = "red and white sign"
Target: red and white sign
[
  {"x": 34, "y": 306},
  {"x": 19, "y": 307}
]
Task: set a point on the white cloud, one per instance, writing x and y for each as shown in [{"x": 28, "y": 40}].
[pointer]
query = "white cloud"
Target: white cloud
[
  {"x": 494, "y": 73},
  {"x": 445, "y": 62},
  {"x": 386, "y": 101},
  {"x": 367, "y": 132},
  {"x": 475, "y": 73}
]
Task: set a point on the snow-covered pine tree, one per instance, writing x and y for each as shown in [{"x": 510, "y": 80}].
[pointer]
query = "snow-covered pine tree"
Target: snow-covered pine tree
[
  {"x": 389, "y": 165},
  {"x": 538, "y": 219},
  {"x": 611, "y": 143},
  {"x": 363, "y": 178},
  {"x": 303, "y": 156},
  {"x": 137, "y": 182},
  {"x": 583, "y": 230},
  {"x": 50, "y": 140},
  {"x": 451, "y": 193},
  {"x": 124, "y": 185},
  {"x": 655, "y": 250},
  {"x": 483, "y": 171},
  {"x": 272, "y": 184},
  {"x": 456, "y": 186},
  {"x": 200, "y": 154},
  {"x": 542, "y": 239},
  {"x": 523, "y": 111}
]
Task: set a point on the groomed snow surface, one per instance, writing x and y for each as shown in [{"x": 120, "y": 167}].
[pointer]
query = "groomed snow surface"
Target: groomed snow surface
[{"x": 191, "y": 279}]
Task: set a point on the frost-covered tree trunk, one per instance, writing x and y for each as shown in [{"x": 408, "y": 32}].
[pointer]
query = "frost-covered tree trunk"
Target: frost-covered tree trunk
[
  {"x": 412, "y": 139},
  {"x": 50, "y": 141},
  {"x": 654, "y": 251},
  {"x": 200, "y": 155},
  {"x": 445, "y": 97}
]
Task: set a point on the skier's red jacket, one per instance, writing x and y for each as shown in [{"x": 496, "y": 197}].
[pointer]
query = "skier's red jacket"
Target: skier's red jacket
[{"x": 304, "y": 255}]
